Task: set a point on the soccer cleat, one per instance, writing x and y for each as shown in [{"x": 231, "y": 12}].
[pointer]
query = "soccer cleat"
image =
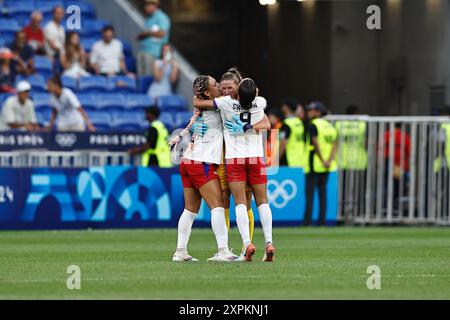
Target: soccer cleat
[
  {"x": 183, "y": 256},
  {"x": 241, "y": 257},
  {"x": 224, "y": 256},
  {"x": 249, "y": 252},
  {"x": 269, "y": 253}
]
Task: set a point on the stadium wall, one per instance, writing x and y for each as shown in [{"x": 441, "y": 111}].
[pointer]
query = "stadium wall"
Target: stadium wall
[
  {"x": 390, "y": 71},
  {"x": 129, "y": 197}
]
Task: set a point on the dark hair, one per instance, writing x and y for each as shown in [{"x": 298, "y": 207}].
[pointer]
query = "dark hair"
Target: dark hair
[
  {"x": 445, "y": 111},
  {"x": 153, "y": 110},
  {"x": 352, "y": 109},
  {"x": 276, "y": 112},
  {"x": 56, "y": 8},
  {"x": 108, "y": 28},
  {"x": 56, "y": 80},
  {"x": 291, "y": 103},
  {"x": 247, "y": 93},
  {"x": 232, "y": 74},
  {"x": 200, "y": 86}
]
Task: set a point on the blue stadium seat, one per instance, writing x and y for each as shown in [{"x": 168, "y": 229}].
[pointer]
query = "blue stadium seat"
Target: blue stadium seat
[
  {"x": 70, "y": 83},
  {"x": 94, "y": 84},
  {"x": 43, "y": 65},
  {"x": 8, "y": 29},
  {"x": 131, "y": 63},
  {"x": 182, "y": 119},
  {"x": 42, "y": 101},
  {"x": 172, "y": 103},
  {"x": 128, "y": 121},
  {"x": 101, "y": 120},
  {"x": 88, "y": 101},
  {"x": 88, "y": 43},
  {"x": 138, "y": 102},
  {"x": 7, "y": 37},
  {"x": 123, "y": 84},
  {"x": 43, "y": 117},
  {"x": 111, "y": 102},
  {"x": 127, "y": 47},
  {"x": 144, "y": 83},
  {"x": 4, "y": 97},
  {"x": 2, "y": 42},
  {"x": 46, "y": 6},
  {"x": 20, "y": 9},
  {"x": 168, "y": 120},
  {"x": 37, "y": 82},
  {"x": 92, "y": 28}
]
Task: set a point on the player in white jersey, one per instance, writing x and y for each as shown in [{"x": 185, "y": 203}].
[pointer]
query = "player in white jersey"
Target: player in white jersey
[
  {"x": 199, "y": 176},
  {"x": 244, "y": 118},
  {"x": 229, "y": 85}
]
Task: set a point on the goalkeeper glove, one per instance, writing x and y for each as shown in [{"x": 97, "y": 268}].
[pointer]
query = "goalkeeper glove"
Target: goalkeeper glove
[
  {"x": 237, "y": 127},
  {"x": 199, "y": 128}
]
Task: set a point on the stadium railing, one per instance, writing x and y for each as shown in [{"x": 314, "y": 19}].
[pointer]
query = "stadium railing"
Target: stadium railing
[{"x": 395, "y": 171}]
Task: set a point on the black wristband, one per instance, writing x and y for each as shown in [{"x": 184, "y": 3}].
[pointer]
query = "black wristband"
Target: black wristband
[{"x": 247, "y": 127}]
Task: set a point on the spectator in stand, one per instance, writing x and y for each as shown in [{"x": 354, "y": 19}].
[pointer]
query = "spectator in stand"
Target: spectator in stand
[
  {"x": 55, "y": 35},
  {"x": 165, "y": 73},
  {"x": 18, "y": 111},
  {"x": 107, "y": 56},
  {"x": 21, "y": 49},
  {"x": 74, "y": 58},
  {"x": 10, "y": 65},
  {"x": 153, "y": 38},
  {"x": 34, "y": 33},
  {"x": 68, "y": 113}
]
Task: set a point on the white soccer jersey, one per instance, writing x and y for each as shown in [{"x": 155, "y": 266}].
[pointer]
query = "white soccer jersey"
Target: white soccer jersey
[
  {"x": 208, "y": 148},
  {"x": 247, "y": 145}
]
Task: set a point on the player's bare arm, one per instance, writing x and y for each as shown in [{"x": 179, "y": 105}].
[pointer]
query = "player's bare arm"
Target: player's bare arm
[{"x": 203, "y": 104}]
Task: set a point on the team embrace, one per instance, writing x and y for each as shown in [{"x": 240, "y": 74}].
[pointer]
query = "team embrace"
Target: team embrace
[{"x": 225, "y": 157}]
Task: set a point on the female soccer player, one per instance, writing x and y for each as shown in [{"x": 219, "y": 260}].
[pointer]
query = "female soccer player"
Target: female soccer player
[
  {"x": 200, "y": 180},
  {"x": 244, "y": 118},
  {"x": 229, "y": 85}
]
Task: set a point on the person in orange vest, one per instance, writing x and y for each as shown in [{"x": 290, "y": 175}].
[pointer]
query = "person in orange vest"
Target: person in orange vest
[{"x": 273, "y": 144}]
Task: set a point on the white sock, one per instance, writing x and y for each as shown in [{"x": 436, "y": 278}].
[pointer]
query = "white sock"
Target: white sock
[
  {"x": 219, "y": 226},
  {"x": 184, "y": 229},
  {"x": 265, "y": 216},
  {"x": 243, "y": 223}
]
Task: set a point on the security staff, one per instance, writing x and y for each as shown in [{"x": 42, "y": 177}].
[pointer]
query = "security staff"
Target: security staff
[
  {"x": 155, "y": 152},
  {"x": 352, "y": 153},
  {"x": 443, "y": 161},
  {"x": 352, "y": 161},
  {"x": 322, "y": 146},
  {"x": 292, "y": 142}
]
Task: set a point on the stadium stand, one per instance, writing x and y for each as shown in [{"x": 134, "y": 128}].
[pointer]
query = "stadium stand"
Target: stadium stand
[{"x": 115, "y": 103}]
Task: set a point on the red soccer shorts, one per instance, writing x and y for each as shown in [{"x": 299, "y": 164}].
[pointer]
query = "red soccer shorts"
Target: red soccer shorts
[
  {"x": 251, "y": 170},
  {"x": 195, "y": 174}
]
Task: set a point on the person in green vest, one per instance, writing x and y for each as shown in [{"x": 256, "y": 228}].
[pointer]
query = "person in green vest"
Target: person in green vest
[
  {"x": 292, "y": 142},
  {"x": 155, "y": 152},
  {"x": 322, "y": 147},
  {"x": 352, "y": 153},
  {"x": 442, "y": 161},
  {"x": 352, "y": 160}
]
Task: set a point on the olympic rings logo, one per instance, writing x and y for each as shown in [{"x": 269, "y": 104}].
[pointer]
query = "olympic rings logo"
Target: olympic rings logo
[
  {"x": 279, "y": 194},
  {"x": 66, "y": 140}
]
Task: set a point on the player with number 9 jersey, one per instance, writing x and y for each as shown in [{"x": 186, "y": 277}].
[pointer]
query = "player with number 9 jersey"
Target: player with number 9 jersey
[{"x": 250, "y": 144}]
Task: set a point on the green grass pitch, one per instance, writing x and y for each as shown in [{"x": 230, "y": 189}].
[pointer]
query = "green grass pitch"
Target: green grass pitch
[{"x": 311, "y": 263}]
